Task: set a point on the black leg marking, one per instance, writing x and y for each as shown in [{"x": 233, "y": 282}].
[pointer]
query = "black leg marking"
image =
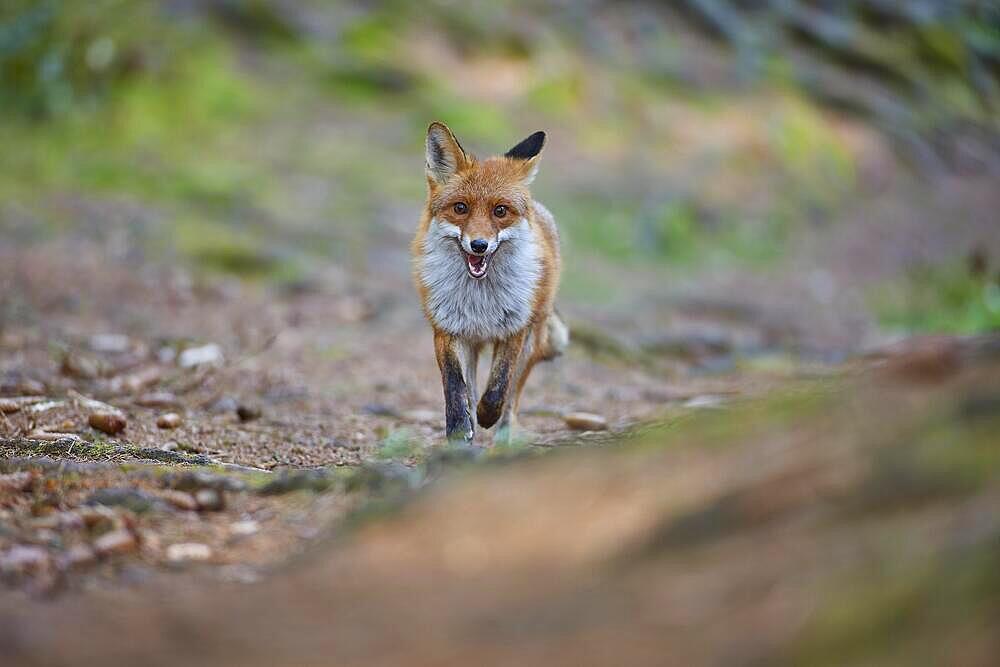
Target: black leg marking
[
  {"x": 458, "y": 420},
  {"x": 491, "y": 404},
  {"x": 506, "y": 357}
]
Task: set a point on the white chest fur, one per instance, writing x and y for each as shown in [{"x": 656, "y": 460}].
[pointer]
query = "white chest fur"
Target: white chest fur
[{"x": 493, "y": 307}]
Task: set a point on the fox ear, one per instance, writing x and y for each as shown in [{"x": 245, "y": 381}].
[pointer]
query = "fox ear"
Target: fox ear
[
  {"x": 445, "y": 156},
  {"x": 528, "y": 151}
]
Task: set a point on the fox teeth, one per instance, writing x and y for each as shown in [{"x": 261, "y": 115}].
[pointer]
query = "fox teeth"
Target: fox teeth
[{"x": 477, "y": 264}]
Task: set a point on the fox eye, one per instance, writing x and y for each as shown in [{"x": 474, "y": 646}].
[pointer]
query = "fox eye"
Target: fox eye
[
  {"x": 461, "y": 208},
  {"x": 499, "y": 210}
]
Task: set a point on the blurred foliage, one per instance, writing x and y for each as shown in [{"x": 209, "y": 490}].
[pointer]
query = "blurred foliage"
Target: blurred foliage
[
  {"x": 399, "y": 444},
  {"x": 912, "y": 48},
  {"x": 962, "y": 299},
  {"x": 56, "y": 57},
  {"x": 269, "y": 136}
]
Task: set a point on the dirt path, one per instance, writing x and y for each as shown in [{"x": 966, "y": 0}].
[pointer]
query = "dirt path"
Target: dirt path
[
  {"x": 254, "y": 383},
  {"x": 800, "y": 528}
]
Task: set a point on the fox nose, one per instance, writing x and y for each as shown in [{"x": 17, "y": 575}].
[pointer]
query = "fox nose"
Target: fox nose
[{"x": 479, "y": 246}]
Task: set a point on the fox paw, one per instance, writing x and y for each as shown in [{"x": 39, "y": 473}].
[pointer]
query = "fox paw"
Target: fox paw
[
  {"x": 489, "y": 410},
  {"x": 461, "y": 430}
]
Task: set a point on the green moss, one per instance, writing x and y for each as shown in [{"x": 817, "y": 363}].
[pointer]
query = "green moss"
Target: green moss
[{"x": 100, "y": 449}]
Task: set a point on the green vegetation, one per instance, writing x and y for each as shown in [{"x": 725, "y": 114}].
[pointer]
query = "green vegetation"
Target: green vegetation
[
  {"x": 399, "y": 445},
  {"x": 164, "y": 112},
  {"x": 263, "y": 143},
  {"x": 59, "y": 58},
  {"x": 949, "y": 299}
]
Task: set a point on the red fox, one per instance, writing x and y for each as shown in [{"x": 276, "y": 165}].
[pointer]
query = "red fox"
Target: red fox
[{"x": 486, "y": 264}]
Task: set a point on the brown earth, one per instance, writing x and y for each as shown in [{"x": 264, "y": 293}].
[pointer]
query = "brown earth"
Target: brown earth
[{"x": 848, "y": 520}]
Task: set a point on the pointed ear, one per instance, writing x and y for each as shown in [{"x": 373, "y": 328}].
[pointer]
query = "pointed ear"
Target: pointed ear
[
  {"x": 528, "y": 151},
  {"x": 445, "y": 156}
]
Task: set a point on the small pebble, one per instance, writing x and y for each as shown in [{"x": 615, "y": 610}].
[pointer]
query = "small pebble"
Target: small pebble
[
  {"x": 109, "y": 343},
  {"x": 197, "y": 356},
  {"x": 157, "y": 399},
  {"x": 244, "y": 528},
  {"x": 247, "y": 412},
  {"x": 31, "y": 387},
  {"x": 585, "y": 421},
  {"x": 168, "y": 420},
  {"x": 223, "y": 405},
  {"x": 78, "y": 366},
  {"x": 134, "y": 382},
  {"x": 111, "y": 423},
  {"x": 188, "y": 551},
  {"x": 210, "y": 500},
  {"x": 181, "y": 500},
  {"x": 115, "y": 542}
]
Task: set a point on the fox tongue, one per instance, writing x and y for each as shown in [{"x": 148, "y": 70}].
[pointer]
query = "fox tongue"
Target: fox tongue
[{"x": 477, "y": 264}]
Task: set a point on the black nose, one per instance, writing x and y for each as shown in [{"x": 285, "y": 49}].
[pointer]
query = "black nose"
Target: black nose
[{"x": 479, "y": 246}]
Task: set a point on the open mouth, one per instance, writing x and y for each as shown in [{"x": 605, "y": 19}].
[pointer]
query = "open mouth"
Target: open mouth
[{"x": 478, "y": 265}]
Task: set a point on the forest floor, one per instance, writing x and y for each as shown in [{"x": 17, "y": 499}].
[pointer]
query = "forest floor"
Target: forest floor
[{"x": 255, "y": 384}]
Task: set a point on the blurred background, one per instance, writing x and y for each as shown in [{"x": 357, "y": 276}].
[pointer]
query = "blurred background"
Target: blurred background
[{"x": 829, "y": 167}]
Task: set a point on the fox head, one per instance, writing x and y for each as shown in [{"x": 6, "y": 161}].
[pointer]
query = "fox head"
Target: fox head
[{"x": 479, "y": 202}]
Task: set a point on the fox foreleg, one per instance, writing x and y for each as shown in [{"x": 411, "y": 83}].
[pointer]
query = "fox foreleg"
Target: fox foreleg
[
  {"x": 457, "y": 402},
  {"x": 506, "y": 363}
]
